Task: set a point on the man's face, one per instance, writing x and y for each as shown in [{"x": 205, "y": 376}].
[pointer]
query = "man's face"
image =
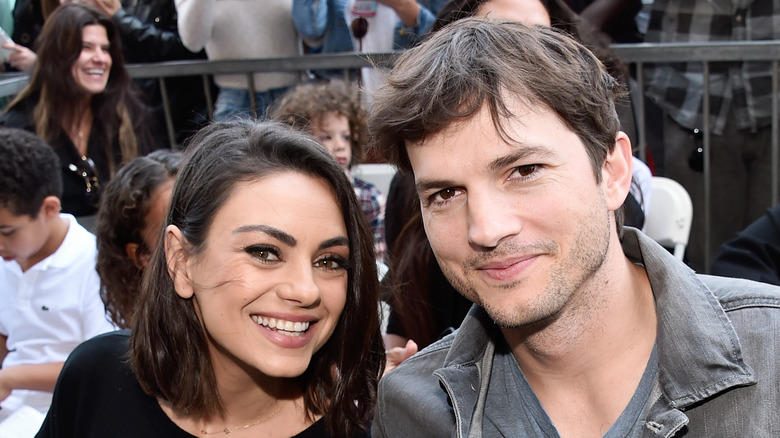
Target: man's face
[{"x": 518, "y": 227}]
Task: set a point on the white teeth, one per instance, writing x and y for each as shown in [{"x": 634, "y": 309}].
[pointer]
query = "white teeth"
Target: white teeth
[
  {"x": 95, "y": 72},
  {"x": 288, "y": 328}
]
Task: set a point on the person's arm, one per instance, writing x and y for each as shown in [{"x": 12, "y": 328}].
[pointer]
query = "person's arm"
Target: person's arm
[
  {"x": 3, "y": 348},
  {"x": 39, "y": 377},
  {"x": 143, "y": 42},
  {"x": 195, "y": 21},
  {"x": 415, "y": 21},
  {"x": 407, "y": 10},
  {"x": 310, "y": 18}
]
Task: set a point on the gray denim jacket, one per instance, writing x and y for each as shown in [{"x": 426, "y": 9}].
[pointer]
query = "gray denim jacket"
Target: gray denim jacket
[{"x": 718, "y": 350}]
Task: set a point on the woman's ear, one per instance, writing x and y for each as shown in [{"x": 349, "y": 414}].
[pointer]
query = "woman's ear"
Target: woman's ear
[
  {"x": 176, "y": 257},
  {"x": 617, "y": 172}
]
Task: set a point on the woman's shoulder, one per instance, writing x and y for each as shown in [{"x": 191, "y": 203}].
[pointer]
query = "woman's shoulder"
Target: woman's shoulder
[
  {"x": 19, "y": 116},
  {"x": 93, "y": 355}
]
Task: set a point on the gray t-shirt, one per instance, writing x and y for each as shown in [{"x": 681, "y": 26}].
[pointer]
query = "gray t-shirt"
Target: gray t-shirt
[{"x": 512, "y": 409}]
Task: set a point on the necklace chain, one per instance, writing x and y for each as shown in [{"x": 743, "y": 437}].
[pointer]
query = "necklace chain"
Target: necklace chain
[{"x": 228, "y": 430}]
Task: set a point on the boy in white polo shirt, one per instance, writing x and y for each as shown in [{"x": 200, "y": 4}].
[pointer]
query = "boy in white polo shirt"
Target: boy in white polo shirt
[{"x": 49, "y": 289}]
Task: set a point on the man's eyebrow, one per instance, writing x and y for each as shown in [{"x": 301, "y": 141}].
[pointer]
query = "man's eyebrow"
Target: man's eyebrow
[
  {"x": 522, "y": 153},
  {"x": 424, "y": 185},
  {"x": 276, "y": 233}
]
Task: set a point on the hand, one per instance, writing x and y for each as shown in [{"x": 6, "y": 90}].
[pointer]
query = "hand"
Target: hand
[
  {"x": 22, "y": 58},
  {"x": 397, "y": 355},
  {"x": 407, "y": 10},
  {"x": 108, "y": 7}
]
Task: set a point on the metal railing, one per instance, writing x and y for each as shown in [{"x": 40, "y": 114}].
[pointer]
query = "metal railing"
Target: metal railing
[{"x": 636, "y": 54}]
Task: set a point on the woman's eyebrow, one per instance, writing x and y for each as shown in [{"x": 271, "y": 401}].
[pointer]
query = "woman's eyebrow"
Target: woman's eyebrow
[
  {"x": 336, "y": 241},
  {"x": 276, "y": 233}
]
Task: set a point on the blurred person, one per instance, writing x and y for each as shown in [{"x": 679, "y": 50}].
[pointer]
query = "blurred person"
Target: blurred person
[
  {"x": 740, "y": 115},
  {"x": 128, "y": 226},
  {"x": 29, "y": 16},
  {"x": 81, "y": 101},
  {"x": 256, "y": 317},
  {"x": 332, "y": 113},
  {"x": 49, "y": 289},
  {"x": 754, "y": 253},
  {"x": 149, "y": 33},
  {"x": 241, "y": 30},
  {"x": 324, "y": 26}
]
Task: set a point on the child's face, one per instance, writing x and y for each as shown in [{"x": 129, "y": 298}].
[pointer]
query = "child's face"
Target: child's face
[
  {"x": 332, "y": 131},
  {"x": 22, "y": 238}
]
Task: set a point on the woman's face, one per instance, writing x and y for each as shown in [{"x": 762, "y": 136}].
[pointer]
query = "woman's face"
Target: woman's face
[
  {"x": 271, "y": 283},
  {"x": 91, "y": 69}
]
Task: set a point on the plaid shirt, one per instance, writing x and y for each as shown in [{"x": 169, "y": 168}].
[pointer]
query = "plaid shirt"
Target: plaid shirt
[
  {"x": 373, "y": 204},
  {"x": 741, "y": 87}
]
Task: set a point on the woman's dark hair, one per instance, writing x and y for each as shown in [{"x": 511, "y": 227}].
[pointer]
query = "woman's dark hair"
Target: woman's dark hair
[
  {"x": 169, "y": 350},
  {"x": 118, "y": 109},
  {"x": 121, "y": 219}
]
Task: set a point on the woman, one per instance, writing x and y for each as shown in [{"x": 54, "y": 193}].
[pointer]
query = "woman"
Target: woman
[
  {"x": 82, "y": 102},
  {"x": 257, "y": 317},
  {"x": 128, "y": 226}
]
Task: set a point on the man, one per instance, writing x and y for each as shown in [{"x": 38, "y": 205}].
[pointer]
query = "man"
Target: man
[{"x": 580, "y": 328}]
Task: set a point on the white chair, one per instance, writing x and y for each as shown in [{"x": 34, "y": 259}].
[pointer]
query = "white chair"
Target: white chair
[
  {"x": 378, "y": 174},
  {"x": 668, "y": 220}
]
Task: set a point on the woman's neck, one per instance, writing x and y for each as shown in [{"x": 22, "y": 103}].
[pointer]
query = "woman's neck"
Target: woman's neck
[{"x": 79, "y": 126}]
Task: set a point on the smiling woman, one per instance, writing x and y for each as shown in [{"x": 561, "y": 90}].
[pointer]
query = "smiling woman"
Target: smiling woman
[
  {"x": 246, "y": 305},
  {"x": 82, "y": 102}
]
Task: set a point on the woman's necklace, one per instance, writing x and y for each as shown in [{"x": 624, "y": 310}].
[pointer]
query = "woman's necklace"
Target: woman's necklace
[{"x": 228, "y": 430}]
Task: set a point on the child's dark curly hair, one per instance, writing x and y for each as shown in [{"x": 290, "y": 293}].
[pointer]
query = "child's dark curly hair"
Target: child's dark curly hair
[
  {"x": 307, "y": 103},
  {"x": 29, "y": 172}
]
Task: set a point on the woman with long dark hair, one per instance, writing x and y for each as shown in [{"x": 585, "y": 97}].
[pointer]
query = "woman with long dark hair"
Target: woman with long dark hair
[
  {"x": 82, "y": 102},
  {"x": 258, "y": 309}
]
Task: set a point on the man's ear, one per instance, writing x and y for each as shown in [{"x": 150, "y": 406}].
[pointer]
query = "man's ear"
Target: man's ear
[
  {"x": 50, "y": 207},
  {"x": 176, "y": 257},
  {"x": 137, "y": 255},
  {"x": 617, "y": 172}
]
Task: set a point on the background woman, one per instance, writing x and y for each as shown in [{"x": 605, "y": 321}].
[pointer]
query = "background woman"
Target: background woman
[
  {"x": 257, "y": 317},
  {"x": 82, "y": 102},
  {"x": 128, "y": 226}
]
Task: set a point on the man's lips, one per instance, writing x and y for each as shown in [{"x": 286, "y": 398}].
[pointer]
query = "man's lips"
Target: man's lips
[{"x": 505, "y": 269}]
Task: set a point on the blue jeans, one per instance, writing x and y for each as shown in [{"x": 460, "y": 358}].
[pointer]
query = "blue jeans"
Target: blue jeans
[{"x": 233, "y": 103}]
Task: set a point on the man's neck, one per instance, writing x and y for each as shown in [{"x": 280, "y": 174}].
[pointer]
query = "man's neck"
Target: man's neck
[{"x": 585, "y": 365}]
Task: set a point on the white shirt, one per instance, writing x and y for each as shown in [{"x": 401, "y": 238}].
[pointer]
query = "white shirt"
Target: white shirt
[{"x": 52, "y": 307}]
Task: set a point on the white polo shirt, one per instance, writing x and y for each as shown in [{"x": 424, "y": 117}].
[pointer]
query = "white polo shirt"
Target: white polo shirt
[{"x": 50, "y": 309}]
